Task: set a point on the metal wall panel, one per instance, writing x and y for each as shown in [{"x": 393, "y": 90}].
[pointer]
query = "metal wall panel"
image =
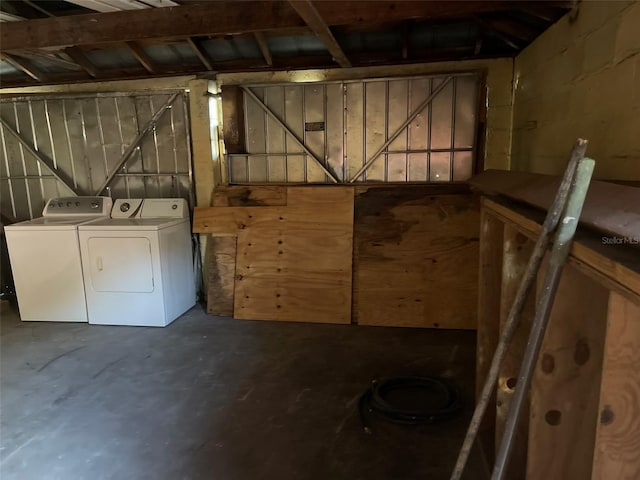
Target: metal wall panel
[
  {"x": 84, "y": 138},
  {"x": 345, "y": 123}
]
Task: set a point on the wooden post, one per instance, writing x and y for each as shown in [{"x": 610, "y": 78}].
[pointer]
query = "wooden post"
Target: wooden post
[
  {"x": 617, "y": 447},
  {"x": 516, "y": 252},
  {"x": 565, "y": 387},
  {"x": 490, "y": 278}
]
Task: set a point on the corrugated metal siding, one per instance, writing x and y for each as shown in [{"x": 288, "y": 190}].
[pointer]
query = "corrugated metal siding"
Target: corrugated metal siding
[
  {"x": 84, "y": 137},
  {"x": 344, "y": 124}
]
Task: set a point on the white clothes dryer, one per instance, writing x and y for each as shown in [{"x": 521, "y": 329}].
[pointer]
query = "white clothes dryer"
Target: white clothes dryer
[{"x": 138, "y": 265}]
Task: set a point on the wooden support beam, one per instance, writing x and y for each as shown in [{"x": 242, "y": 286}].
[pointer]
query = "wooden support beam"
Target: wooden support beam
[
  {"x": 516, "y": 30},
  {"x": 47, "y": 57},
  {"x": 200, "y": 52},
  {"x": 497, "y": 33},
  {"x": 78, "y": 56},
  {"x": 24, "y": 65},
  {"x": 517, "y": 250},
  {"x": 142, "y": 57},
  {"x": 220, "y": 18},
  {"x": 491, "y": 241},
  {"x": 264, "y": 47},
  {"x": 311, "y": 17}
]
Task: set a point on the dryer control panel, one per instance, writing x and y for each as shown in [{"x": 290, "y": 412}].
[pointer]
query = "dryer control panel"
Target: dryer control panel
[
  {"x": 150, "y": 208},
  {"x": 77, "y": 206}
]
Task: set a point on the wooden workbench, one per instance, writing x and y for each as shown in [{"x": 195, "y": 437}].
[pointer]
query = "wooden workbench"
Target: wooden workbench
[{"x": 583, "y": 418}]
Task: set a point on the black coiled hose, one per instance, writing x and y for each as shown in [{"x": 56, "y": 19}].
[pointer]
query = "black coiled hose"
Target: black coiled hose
[{"x": 376, "y": 400}]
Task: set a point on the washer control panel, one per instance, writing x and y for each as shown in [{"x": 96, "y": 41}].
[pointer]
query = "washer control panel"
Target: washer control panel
[{"x": 77, "y": 206}]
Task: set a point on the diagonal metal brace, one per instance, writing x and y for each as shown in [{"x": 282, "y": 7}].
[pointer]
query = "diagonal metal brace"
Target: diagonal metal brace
[
  {"x": 136, "y": 142},
  {"x": 400, "y": 129},
  {"x": 270, "y": 113},
  {"x": 42, "y": 158}
]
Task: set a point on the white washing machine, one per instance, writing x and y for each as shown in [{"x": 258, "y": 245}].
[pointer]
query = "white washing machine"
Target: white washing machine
[
  {"x": 138, "y": 264},
  {"x": 45, "y": 259}
]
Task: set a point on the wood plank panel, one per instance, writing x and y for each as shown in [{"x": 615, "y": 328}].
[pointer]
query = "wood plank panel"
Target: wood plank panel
[
  {"x": 221, "y": 272},
  {"x": 416, "y": 257},
  {"x": 297, "y": 267},
  {"x": 228, "y": 221},
  {"x": 517, "y": 250},
  {"x": 617, "y": 449},
  {"x": 246, "y": 196},
  {"x": 566, "y": 383}
]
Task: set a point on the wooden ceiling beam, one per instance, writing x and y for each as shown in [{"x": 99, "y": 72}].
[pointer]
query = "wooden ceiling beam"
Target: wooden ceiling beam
[
  {"x": 200, "y": 52},
  {"x": 80, "y": 58},
  {"x": 220, "y": 18},
  {"x": 264, "y": 47},
  {"x": 311, "y": 17},
  {"x": 141, "y": 56},
  {"x": 25, "y": 66}
]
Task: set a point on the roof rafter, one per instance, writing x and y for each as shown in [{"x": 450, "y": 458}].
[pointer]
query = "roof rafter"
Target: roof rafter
[
  {"x": 264, "y": 47},
  {"x": 47, "y": 57},
  {"x": 311, "y": 17},
  {"x": 25, "y": 66},
  {"x": 80, "y": 58},
  {"x": 200, "y": 52},
  {"x": 141, "y": 56},
  {"x": 513, "y": 29}
]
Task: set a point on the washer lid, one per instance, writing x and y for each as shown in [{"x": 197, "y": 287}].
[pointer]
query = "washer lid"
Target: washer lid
[
  {"x": 51, "y": 223},
  {"x": 132, "y": 224}
]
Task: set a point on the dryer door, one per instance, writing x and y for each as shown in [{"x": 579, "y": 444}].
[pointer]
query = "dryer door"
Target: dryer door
[{"x": 120, "y": 264}]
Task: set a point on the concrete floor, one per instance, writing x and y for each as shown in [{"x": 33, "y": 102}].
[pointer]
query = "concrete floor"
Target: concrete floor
[{"x": 214, "y": 398}]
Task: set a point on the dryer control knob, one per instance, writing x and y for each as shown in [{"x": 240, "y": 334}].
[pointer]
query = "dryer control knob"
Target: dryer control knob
[
  {"x": 125, "y": 207},
  {"x": 94, "y": 205}
]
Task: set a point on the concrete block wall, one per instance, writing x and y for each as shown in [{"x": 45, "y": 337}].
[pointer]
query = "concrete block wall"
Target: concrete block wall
[{"x": 581, "y": 78}]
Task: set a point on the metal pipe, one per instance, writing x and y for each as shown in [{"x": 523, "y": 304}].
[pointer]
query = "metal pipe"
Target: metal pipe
[
  {"x": 268, "y": 111},
  {"x": 557, "y": 260},
  {"x": 132, "y": 147},
  {"x": 513, "y": 319},
  {"x": 417, "y": 111}
]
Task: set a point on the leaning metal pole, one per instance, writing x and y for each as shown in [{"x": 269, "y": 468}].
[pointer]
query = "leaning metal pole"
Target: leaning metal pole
[
  {"x": 513, "y": 320},
  {"x": 557, "y": 259}
]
